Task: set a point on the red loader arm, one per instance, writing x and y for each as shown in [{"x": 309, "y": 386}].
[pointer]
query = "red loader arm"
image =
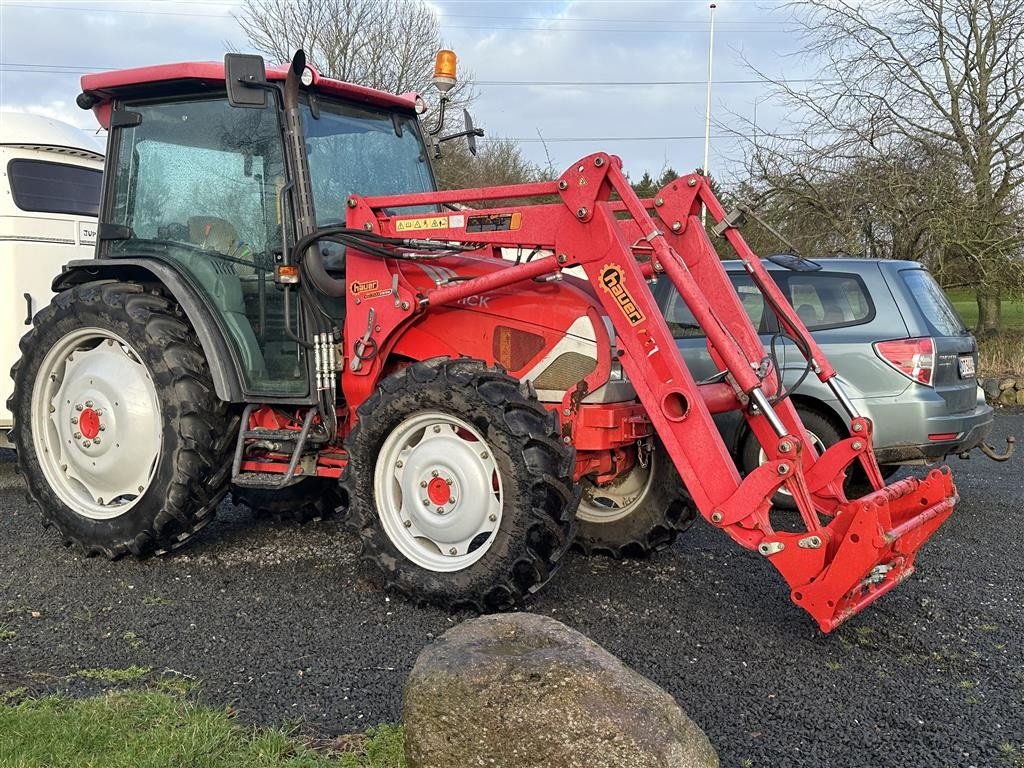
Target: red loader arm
[{"x": 834, "y": 568}]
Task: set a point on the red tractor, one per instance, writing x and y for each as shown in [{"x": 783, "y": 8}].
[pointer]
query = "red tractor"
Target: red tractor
[{"x": 283, "y": 305}]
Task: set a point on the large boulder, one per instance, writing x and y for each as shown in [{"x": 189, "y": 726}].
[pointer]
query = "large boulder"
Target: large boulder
[{"x": 525, "y": 691}]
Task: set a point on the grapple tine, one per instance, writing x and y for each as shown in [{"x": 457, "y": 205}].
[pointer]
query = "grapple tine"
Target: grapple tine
[{"x": 867, "y": 549}]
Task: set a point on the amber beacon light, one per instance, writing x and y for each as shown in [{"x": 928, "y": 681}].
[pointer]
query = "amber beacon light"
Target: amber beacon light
[{"x": 444, "y": 70}]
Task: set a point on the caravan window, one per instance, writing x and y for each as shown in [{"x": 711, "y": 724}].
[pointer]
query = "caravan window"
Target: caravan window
[{"x": 44, "y": 187}]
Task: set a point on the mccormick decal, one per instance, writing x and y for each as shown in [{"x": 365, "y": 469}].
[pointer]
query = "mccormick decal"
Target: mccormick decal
[{"x": 612, "y": 281}]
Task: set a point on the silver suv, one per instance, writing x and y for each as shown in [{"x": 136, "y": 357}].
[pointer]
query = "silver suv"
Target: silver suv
[{"x": 900, "y": 348}]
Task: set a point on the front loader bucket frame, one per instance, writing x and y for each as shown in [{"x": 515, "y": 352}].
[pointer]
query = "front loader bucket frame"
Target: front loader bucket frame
[{"x": 834, "y": 568}]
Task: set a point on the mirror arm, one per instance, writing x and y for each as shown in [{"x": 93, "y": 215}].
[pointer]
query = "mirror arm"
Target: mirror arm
[
  {"x": 460, "y": 134},
  {"x": 440, "y": 116}
]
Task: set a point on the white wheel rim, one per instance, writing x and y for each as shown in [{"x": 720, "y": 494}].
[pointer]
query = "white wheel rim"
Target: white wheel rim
[
  {"x": 96, "y": 423},
  {"x": 762, "y": 457},
  {"x": 618, "y": 499},
  {"x": 438, "y": 491}
]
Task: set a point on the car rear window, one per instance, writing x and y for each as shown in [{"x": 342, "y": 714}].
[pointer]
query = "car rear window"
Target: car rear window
[
  {"x": 932, "y": 301},
  {"x": 683, "y": 325},
  {"x": 824, "y": 300},
  {"x": 43, "y": 187}
]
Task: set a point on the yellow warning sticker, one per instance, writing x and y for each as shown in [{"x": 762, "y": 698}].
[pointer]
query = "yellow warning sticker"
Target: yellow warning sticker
[{"x": 427, "y": 222}]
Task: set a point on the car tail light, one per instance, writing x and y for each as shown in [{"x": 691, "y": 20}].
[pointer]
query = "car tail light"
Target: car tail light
[{"x": 914, "y": 358}]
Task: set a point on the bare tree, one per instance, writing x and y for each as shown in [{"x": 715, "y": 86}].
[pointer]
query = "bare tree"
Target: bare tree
[
  {"x": 384, "y": 44},
  {"x": 388, "y": 45},
  {"x": 917, "y": 111}
]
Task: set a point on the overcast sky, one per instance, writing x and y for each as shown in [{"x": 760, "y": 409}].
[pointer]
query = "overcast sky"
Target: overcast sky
[{"x": 47, "y": 44}]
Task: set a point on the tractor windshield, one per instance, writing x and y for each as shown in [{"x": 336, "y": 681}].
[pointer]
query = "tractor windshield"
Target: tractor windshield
[{"x": 359, "y": 150}]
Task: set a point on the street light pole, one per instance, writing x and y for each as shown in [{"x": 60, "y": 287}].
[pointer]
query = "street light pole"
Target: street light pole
[{"x": 707, "y": 108}]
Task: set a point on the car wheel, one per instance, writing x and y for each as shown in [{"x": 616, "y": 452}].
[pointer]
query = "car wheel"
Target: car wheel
[{"x": 823, "y": 433}]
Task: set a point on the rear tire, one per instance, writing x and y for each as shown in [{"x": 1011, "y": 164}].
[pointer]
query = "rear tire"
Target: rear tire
[
  {"x": 121, "y": 440},
  {"x": 637, "y": 514},
  {"x": 458, "y": 486}
]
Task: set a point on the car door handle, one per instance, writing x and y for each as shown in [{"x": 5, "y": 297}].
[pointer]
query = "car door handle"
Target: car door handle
[{"x": 28, "y": 309}]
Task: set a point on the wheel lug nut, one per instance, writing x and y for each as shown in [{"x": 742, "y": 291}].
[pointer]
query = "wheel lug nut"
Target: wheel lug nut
[
  {"x": 407, "y": 523},
  {"x": 449, "y": 480},
  {"x": 74, "y": 419},
  {"x": 103, "y": 427},
  {"x": 87, "y": 444},
  {"x": 88, "y": 403},
  {"x": 78, "y": 435},
  {"x": 96, "y": 441},
  {"x": 453, "y": 551},
  {"x": 99, "y": 411},
  {"x": 440, "y": 510},
  {"x": 434, "y": 473},
  {"x": 492, "y": 517},
  {"x": 79, "y": 407},
  {"x": 484, "y": 455},
  {"x": 423, "y": 483},
  {"x": 399, "y": 464},
  {"x": 437, "y": 427},
  {"x": 426, "y": 502}
]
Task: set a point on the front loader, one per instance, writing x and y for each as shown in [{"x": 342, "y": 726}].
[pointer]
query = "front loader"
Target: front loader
[{"x": 284, "y": 306}]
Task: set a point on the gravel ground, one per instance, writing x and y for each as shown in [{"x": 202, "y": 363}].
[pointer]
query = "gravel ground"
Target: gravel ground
[{"x": 274, "y": 620}]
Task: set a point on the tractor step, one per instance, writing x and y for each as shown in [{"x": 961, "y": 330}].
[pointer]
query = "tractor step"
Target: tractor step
[
  {"x": 265, "y": 480},
  {"x": 867, "y": 549}
]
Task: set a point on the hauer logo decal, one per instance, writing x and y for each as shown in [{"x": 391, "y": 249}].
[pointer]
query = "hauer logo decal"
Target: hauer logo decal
[
  {"x": 364, "y": 286},
  {"x": 369, "y": 289},
  {"x": 612, "y": 281}
]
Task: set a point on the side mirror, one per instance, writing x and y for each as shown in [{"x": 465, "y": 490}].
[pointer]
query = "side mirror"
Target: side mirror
[
  {"x": 471, "y": 132},
  {"x": 246, "y": 78}
]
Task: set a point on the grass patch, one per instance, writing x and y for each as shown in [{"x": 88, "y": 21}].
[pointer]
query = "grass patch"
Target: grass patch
[
  {"x": 1004, "y": 354},
  {"x": 967, "y": 306},
  {"x": 6, "y": 633},
  {"x": 162, "y": 729},
  {"x": 107, "y": 675}
]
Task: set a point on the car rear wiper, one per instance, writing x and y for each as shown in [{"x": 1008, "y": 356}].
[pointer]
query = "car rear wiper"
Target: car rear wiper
[{"x": 794, "y": 262}]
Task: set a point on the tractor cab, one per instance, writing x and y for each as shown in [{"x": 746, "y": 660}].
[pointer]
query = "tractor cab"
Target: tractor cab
[{"x": 202, "y": 185}]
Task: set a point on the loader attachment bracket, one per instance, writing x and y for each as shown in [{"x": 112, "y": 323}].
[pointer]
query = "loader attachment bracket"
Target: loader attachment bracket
[{"x": 868, "y": 548}]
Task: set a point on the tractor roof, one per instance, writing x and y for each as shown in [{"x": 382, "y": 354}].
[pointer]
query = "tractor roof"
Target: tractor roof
[{"x": 105, "y": 85}]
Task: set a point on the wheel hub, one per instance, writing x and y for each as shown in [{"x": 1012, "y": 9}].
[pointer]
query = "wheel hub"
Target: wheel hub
[
  {"x": 89, "y": 423},
  {"x": 96, "y": 423},
  {"x": 438, "y": 491}
]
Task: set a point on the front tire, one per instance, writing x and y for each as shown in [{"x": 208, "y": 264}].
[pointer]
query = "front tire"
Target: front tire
[
  {"x": 458, "y": 486},
  {"x": 121, "y": 440},
  {"x": 636, "y": 514}
]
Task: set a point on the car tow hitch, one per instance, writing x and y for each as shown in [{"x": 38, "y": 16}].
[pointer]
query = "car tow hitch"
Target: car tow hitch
[{"x": 992, "y": 453}]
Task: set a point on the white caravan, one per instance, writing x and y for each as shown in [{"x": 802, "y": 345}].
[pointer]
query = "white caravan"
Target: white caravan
[{"x": 49, "y": 197}]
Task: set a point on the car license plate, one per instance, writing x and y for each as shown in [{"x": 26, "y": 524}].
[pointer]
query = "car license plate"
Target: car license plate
[{"x": 967, "y": 366}]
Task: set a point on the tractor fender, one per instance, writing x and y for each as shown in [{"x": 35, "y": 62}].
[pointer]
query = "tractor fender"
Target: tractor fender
[{"x": 219, "y": 352}]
